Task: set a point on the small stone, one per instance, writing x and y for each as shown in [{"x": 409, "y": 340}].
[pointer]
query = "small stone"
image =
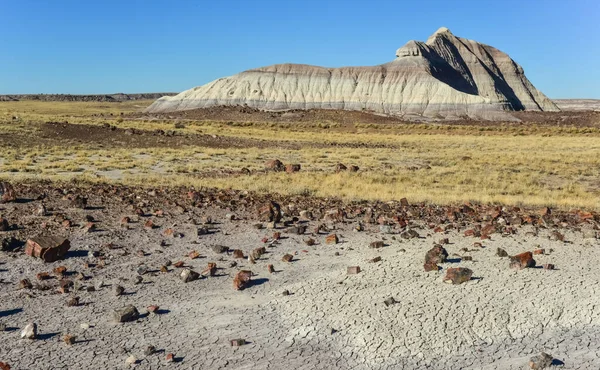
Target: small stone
[
  {"x": 270, "y": 268},
  {"x": 353, "y": 270},
  {"x": 3, "y": 327},
  {"x": 258, "y": 226},
  {"x": 541, "y": 361},
  {"x": 375, "y": 259},
  {"x": 501, "y": 253},
  {"x": 389, "y": 301},
  {"x": 25, "y": 284},
  {"x": 178, "y": 264},
  {"x": 241, "y": 279},
  {"x": 149, "y": 350},
  {"x": 153, "y": 308},
  {"x": 466, "y": 258},
  {"x": 210, "y": 270},
  {"x": 138, "y": 279},
  {"x": 84, "y": 326},
  {"x": 458, "y": 275},
  {"x": 73, "y": 302},
  {"x": 188, "y": 275},
  {"x": 521, "y": 261},
  {"x": 170, "y": 357},
  {"x": 30, "y": 331},
  {"x": 60, "y": 270},
  {"x": 436, "y": 255},
  {"x": 238, "y": 253},
  {"x": 276, "y": 235},
  {"x": 219, "y": 249},
  {"x": 193, "y": 255},
  {"x": 310, "y": 242},
  {"x": 331, "y": 239},
  {"x": 118, "y": 290},
  {"x": 131, "y": 360},
  {"x": 69, "y": 339},
  {"x": 4, "y": 365},
  {"x": 230, "y": 217},
  {"x": 203, "y": 231},
  {"x": 548, "y": 266},
  {"x": 287, "y": 258},
  {"x": 430, "y": 266},
  {"x": 377, "y": 244},
  {"x": 142, "y": 269},
  {"x": 125, "y": 314},
  {"x": 237, "y": 342},
  {"x": 285, "y": 292},
  {"x": 539, "y": 251},
  {"x": 42, "y": 276},
  {"x": 409, "y": 234}
]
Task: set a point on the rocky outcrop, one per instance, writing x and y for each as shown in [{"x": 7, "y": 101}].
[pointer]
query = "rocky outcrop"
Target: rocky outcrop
[{"x": 445, "y": 77}]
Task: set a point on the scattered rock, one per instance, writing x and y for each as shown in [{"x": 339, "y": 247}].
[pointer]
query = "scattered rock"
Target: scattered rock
[
  {"x": 285, "y": 293},
  {"x": 118, "y": 290},
  {"x": 170, "y": 357},
  {"x": 430, "y": 266},
  {"x": 541, "y": 361},
  {"x": 9, "y": 244},
  {"x": 238, "y": 253},
  {"x": 436, "y": 255},
  {"x": 353, "y": 270},
  {"x": 501, "y": 253},
  {"x": 73, "y": 302},
  {"x": 219, "y": 249},
  {"x": 539, "y": 251},
  {"x": 274, "y": 165},
  {"x": 270, "y": 268},
  {"x": 332, "y": 239},
  {"x": 69, "y": 339},
  {"x": 409, "y": 234},
  {"x": 521, "y": 261},
  {"x": 270, "y": 212},
  {"x": 131, "y": 360},
  {"x": 125, "y": 314},
  {"x": 548, "y": 266},
  {"x": 376, "y": 259},
  {"x": 7, "y": 192},
  {"x": 241, "y": 279},
  {"x": 48, "y": 248},
  {"x": 188, "y": 275},
  {"x": 389, "y": 301},
  {"x": 458, "y": 275},
  {"x": 30, "y": 331},
  {"x": 237, "y": 342},
  {"x": 149, "y": 350},
  {"x": 210, "y": 270},
  {"x": 377, "y": 244},
  {"x": 290, "y": 168},
  {"x": 287, "y": 258}
]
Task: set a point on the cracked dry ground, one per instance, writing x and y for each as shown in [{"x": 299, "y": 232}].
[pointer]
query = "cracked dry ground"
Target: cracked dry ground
[{"x": 330, "y": 320}]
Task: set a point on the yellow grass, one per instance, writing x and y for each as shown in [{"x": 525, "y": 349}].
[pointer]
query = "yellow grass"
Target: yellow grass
[{"x": 504, "y": 164}]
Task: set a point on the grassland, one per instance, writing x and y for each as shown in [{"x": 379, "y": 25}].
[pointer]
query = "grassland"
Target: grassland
[{"x": 531, "y": 165}]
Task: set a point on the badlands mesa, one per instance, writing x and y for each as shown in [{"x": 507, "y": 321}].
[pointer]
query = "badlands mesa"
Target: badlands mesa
[{"x": 445, "y": 77}]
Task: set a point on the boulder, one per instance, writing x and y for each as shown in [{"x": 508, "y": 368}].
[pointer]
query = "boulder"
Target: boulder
[{"x": 48, "y": 248}]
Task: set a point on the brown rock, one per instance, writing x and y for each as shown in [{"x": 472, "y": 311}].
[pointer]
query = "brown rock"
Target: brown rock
[
  {"x": 436, "y": 255},
  {"x": 42, "y": 276},
  {"x": 404, "y": 202},
  {"x": 48, "y": 248},
  {"x": 375, "y": 259},
  {"x": 270, "y": 268},
  {"x": 287, "y": 258},
  {"x": 431, "y": 266},
  {"x": 521, "y": 261},
  {"x": 178, "y": 264},
  {"x": 193, "y": 255},
  {"x": 353, "y": 168},
  {"x": 353, "y": 270},
  {"x": 4, "y": 366},
  {"x": 4, "y": 226},
  {"x": 149, "y": 225},
  {"x": 309, "y": 242},
  {"x": 274, "y": 165},
  {"x": 458, "y": 275},
  {"x": 210, "y": 270},
  {"x": 25, "y": 284},
  {"x": 237, "y": 342},
  {"x": 170, "y": 357},
  {"x": 270, "y": 212},
  {"x": 292, "y": 168},
  {"x": 340, "y": 167},
  {"x": 241, "y": 280},
  {"x": 548, "y": 266},
  {"x": 332, "y": 239},
  {"x": 60, "y": 270},
  {"x": 7, "y": 192},
  {"x": 153, "y": 308},
  {"x": 276, "y": 235},
  {"x": 69, "y": 339},
  {"x": 541, "y": 361},
  {"x": 377, "y": 244},
  {"x": 73, "y": 302},
  {"x": 238, "y": 253},
  {"x": 539, "y": 251}
]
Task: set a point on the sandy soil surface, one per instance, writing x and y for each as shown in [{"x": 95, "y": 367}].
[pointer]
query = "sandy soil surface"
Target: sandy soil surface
[{"x": 329, "y": 320}]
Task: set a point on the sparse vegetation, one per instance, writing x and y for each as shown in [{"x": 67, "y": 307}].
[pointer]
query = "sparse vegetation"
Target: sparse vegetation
[{"x": 534, "y": 165}]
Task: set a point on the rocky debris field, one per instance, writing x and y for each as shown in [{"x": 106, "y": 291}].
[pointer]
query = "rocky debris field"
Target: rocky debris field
[{"x": 113, "y": 277}]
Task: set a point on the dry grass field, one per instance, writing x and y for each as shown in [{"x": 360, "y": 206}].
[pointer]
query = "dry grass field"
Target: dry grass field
[{"x": 530, "y": 164}]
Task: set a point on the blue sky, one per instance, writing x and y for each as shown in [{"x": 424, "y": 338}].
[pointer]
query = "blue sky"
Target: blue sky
[{"x": 112, "y": 46}]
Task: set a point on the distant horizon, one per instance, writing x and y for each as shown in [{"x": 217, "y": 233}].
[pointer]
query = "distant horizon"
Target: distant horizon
[{"x": 81, "y": 48}]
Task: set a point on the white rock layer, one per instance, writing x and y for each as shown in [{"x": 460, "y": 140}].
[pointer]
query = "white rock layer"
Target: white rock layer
[{"x": 447, "y": 76}]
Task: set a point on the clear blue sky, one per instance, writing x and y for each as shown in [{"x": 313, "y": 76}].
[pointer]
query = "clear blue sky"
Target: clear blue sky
[{"x": 110, "y": 46}]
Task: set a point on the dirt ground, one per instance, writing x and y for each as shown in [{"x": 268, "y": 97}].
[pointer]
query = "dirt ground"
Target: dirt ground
[{"x": 329, "y": 319}]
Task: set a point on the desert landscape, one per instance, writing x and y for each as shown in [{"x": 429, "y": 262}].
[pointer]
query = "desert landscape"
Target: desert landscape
[{"x": 433, "y": 212}]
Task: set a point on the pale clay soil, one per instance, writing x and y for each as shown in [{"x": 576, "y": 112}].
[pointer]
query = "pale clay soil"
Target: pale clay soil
[{"x": 498, "y": 320}]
